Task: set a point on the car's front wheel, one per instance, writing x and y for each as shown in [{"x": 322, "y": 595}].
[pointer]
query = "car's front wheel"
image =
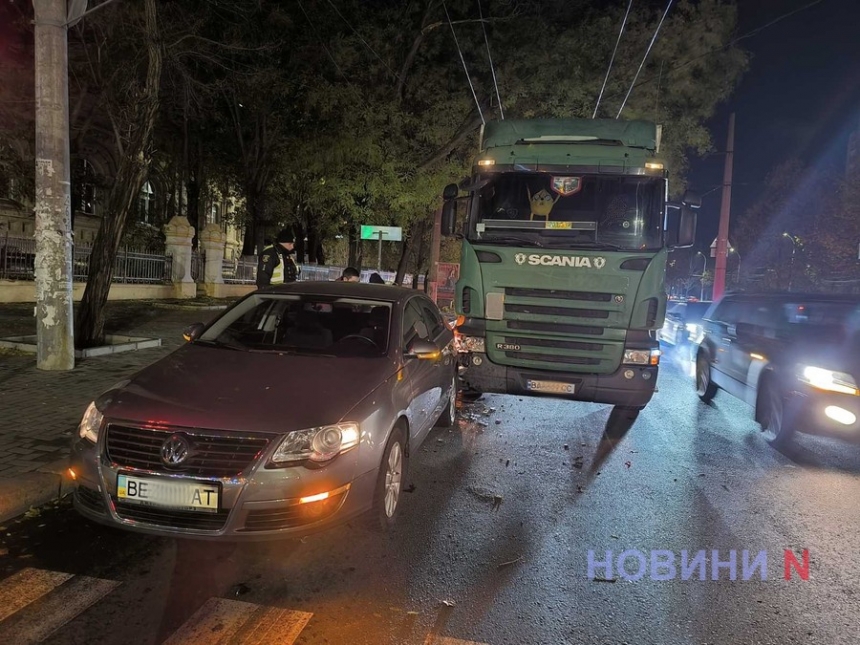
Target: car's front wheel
[
  {"x": 777, "y": 422},
  {"x": 705, "y": 387},
  {"x": 390, "y": 481}
]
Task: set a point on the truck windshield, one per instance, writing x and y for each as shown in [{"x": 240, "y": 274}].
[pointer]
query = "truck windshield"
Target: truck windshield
[{"x": 570, "y": 211}]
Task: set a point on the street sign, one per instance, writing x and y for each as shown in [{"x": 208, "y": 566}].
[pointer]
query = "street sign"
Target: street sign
[
  {"x": 381, "y": 233},
  {"x": 714, "y": 248}
]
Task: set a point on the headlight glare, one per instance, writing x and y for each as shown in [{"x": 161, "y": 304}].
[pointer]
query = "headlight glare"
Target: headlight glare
[
  {"x": 825, "y": 379},
  {"x": 317, "y": 444},
  {"x": 91, "y": 423}
]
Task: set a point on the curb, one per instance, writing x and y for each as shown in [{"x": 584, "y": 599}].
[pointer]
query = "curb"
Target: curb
[{"x": 20, "y": 493}]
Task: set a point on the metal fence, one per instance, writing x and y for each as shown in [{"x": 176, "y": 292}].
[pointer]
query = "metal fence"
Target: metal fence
[
  {"x": 241, "y": 270},
  {"x": 18, "y": 259}
]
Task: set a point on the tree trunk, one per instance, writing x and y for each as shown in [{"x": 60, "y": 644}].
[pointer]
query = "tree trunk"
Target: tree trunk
[
  {"x": 405, "y": 247},
  {"x": 355, "y": 247},
  {"x": 419, "y": 255},
  {"x": 131, "y": 172}
]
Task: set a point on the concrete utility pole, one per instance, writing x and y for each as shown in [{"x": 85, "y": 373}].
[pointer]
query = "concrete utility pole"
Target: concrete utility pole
[
  {"x": 53, "y": 265},
  {"x": 725, "y": 211}
]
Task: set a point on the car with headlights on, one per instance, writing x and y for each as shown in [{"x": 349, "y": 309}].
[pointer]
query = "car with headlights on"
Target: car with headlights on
[
  {"x": 296, "y": 409},
  {"x": 795, "y": 358},
  {"x": 682, "y": 327}
]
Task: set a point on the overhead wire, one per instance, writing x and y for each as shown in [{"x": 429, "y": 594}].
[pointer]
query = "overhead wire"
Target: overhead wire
[
  {"x": 366, "y": 44},
  {"x": 644, "y": 58},
  {"x": 490, "y": 57},
  {"x": 322, "y": 42},
  {"x": 463, "y": 60},
  {"x": 715, "y": 50},
  {"x": 612, "y": 59}
]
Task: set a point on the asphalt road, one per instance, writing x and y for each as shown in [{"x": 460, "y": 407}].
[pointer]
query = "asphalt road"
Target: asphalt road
[{"x": 493, "y": 546}]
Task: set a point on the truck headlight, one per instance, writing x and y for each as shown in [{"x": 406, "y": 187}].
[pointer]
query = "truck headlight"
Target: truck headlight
[
  {"x": 471, "y": 343},
  {"x": 91, "y": 423},
  {"x": 641, "y": 357},
  {"x": 316, "y": 444},
  {"x": 829, "y": 380}
]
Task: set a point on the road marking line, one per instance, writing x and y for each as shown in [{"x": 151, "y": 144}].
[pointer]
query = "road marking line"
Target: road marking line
[
  {"x": 233, "y": 622},
  {"x": 275, "y": 625},
  {"x": 19, "y": 590},
  {"x": 56, "y": 610},
  {"x": 432, "y": 639}
]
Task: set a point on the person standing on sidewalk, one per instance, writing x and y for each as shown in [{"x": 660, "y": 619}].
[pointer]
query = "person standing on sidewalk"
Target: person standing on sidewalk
[{"x": 276, "y": 264}]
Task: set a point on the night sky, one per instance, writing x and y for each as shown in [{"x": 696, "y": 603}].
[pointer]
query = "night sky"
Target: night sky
[{"x": 800, "y": 97}]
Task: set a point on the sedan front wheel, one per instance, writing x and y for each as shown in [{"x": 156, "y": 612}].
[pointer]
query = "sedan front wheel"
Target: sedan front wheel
[{"x": 390, "y": 481}]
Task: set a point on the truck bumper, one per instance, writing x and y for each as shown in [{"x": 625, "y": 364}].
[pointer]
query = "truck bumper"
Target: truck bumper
[{"x": 618, "y": 388}]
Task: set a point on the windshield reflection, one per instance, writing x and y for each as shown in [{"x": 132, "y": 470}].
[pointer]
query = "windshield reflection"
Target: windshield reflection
[{"x": 538, "y": 209}]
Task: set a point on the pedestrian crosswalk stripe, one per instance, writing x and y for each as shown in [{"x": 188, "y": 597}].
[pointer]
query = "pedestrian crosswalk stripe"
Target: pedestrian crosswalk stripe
[
  {"x": 28, "y": 585},
  {"x": 432, "y": 639},
  {"x": 233, "y": 622},
  {"x": 76, "y": 596}
]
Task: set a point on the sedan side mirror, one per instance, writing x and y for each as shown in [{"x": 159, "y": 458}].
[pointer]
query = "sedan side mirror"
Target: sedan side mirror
[
  {"x": 192, "y": 332},
  {"x": 423, "y": 350}
]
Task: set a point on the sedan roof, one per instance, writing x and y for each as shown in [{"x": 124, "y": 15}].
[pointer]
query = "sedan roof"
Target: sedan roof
[{"x": 383, "y": 292}]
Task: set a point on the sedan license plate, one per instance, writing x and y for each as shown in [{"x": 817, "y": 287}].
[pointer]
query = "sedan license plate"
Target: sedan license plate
[
  {"x": 177, "y": 494},
  {"x": 555, "y": 387}
]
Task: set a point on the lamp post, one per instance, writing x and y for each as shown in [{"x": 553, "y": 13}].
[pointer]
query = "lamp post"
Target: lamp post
[
  {"x": 704, "y": 266},
  {"x": 735, "y": 251},
  {"x": 793, "y": 251}
]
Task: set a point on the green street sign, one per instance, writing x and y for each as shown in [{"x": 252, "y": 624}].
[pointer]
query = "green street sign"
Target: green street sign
[{"x": 382, "y": 233}]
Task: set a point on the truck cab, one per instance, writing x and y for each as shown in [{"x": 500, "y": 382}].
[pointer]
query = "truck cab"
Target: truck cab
[{"x": 565, "y": 231}]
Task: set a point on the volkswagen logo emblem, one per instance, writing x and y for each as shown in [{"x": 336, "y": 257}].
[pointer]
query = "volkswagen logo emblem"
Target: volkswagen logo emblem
[
  {"x": 174, "y": 450},
  {"x": 520, "y": 258}
]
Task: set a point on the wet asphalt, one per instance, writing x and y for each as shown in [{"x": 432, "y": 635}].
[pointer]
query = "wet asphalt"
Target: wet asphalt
[{"x": 493, "y": 541}]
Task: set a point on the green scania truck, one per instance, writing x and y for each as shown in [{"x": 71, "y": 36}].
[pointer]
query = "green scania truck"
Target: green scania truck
[{"x": 566, "y": 228}]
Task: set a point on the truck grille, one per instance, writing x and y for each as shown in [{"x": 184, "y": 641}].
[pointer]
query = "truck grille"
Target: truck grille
[
  {"x": 535, "y": 318},
  {"x": 212, "y": 454}
]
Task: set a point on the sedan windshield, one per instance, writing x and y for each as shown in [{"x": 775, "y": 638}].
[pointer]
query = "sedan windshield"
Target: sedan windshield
[
  {"x": 304, "y": 324},
  {"x": 607, "y": 211}
]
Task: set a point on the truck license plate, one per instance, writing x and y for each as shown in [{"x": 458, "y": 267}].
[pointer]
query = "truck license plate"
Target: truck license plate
[
  {"x": 555, "y": 387},
  {"x": 182, "y": 495}
]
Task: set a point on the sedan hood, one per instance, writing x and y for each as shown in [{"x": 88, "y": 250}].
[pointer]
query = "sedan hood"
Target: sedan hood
[{"x": 217, "y": 388}]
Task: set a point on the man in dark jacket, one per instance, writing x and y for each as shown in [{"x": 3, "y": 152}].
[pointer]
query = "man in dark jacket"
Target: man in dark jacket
[{"x": 276, "y": 264}]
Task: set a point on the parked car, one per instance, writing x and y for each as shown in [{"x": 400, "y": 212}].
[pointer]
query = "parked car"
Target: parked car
[
  {"x": 296, "y": 409},
  {"x": 682, "y": 327},
  {"x": 794, "y": 358}
]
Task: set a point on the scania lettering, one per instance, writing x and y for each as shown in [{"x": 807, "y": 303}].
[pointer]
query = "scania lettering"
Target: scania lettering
[{"x": 565, "y": 229}]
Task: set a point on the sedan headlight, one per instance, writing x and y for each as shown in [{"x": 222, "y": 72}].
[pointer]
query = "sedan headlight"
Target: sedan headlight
[
  {"x": 91, "y": 423},
  {"x": 471, "y": 343},
  {"x": 641, "y": 356},
  {"x": 828, "y": 380},
  {"x": 318, "y": 444}
]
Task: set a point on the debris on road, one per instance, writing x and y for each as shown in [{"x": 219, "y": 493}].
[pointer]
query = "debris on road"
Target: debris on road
[
  {"x": 600, "y": 579},
  {"x": 497, "y": 501},
  {"x": 566, "y": 447},
  {"x": 507, "y": 564},
  {"x": 628, "y": 464},
  {"x": 449, "y": 603}
]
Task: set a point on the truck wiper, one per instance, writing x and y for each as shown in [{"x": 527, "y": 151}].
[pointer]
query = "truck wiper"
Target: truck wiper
[
  {"x": 588, "y": 244},
  {"x": 512, "y": 238}
]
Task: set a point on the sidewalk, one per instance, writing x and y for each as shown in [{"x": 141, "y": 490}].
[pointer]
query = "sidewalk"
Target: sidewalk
[{"x": 40, "y": 410}]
